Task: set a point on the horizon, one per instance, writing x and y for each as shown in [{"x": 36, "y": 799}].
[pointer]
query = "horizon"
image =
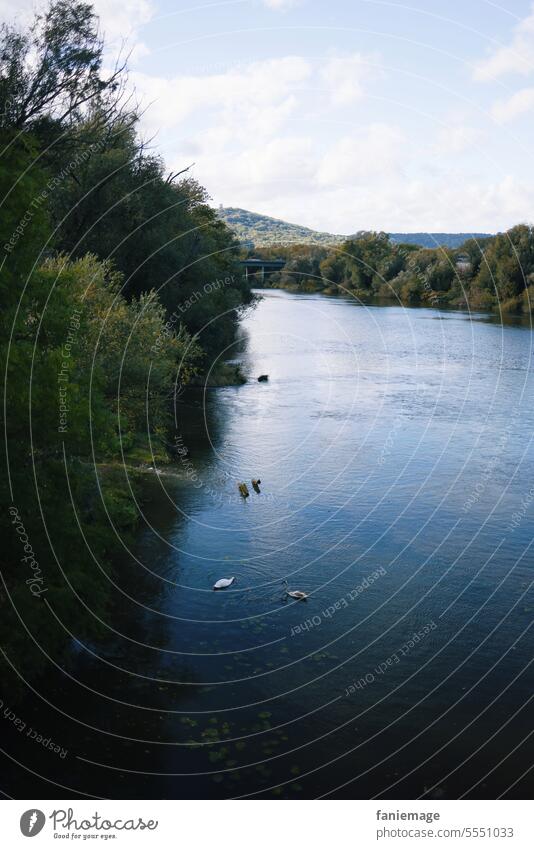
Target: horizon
[{"x": 354, "y": 232}]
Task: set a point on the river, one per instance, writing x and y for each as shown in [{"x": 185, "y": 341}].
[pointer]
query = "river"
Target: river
[{"x": 394, "y": 448}]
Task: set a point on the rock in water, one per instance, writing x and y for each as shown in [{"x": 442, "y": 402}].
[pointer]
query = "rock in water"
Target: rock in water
[{"x": 263, "y": 378}]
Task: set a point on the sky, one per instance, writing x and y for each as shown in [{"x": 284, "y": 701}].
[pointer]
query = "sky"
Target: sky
[{"x": 341, "y": 115}]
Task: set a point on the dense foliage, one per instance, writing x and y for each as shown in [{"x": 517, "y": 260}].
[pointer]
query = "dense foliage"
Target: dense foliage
[
  {"x": 495, "y": 272},
  {"x": 120, "y": 286}
]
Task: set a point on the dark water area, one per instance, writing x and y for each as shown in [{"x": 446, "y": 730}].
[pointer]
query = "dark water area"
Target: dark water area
[{"x": 394, "y": 447}]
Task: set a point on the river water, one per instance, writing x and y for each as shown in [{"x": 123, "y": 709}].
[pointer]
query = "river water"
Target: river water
[{"x": 395, "y": 456}]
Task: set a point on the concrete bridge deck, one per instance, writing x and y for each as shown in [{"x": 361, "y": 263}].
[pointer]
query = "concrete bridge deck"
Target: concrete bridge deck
[{"x": 262, "y": 267}]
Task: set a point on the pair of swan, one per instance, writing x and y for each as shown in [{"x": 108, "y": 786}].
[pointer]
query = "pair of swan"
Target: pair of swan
[{"x": 222, "y": 583}]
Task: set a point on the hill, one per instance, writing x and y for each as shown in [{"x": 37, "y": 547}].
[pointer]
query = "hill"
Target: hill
[{"x": 262, "y": 231}]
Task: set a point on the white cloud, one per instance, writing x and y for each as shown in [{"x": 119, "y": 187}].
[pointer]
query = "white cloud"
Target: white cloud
[
  {"x": 255, "y": 97},
  {"x": 345, "y": 76},
  {"x": 520, "y": 102},
  {"x": 123, "y": 20},
  {"x": 466, "y": 203},
  {"x": 370, "y": 155},
  {"x": 410, "y": 204},
  {"x": 251, "y": 100},
  {"x": 248, "y": 129},
  {"x": 515, "y": 57},
  {"x": 263, "y": 136},
  {"x": 370, "y": 181},
  {"x": 278, "y": 163},
  {"x": 262, "y": 173},
  {"x": 119, "y": 22},
  {"x": 280, "y": 4},
  {"x": 456, "y": 139}
]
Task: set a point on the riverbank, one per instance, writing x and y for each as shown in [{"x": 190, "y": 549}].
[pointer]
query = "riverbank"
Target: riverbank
[
  {"x": 516, "y": 310},
  {"x": 494, "y": 273}
]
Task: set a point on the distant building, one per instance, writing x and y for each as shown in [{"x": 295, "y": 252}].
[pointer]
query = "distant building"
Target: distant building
[{"x": 463, "y": 263}]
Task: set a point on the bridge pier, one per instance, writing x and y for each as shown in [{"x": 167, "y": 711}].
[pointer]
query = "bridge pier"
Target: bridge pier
[{"x": 261, "y": 268}]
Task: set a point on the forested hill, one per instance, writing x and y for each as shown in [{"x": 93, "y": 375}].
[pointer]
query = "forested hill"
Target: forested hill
[{"x": 262, "y": 231}]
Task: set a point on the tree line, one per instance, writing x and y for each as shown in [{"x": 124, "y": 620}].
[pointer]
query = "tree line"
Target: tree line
[
  {"x": 496, "y": 272},
  {"x": 120, "y": 287}
]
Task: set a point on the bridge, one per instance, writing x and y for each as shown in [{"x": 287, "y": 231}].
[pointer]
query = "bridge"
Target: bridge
[{"x": 261, "y": 268}]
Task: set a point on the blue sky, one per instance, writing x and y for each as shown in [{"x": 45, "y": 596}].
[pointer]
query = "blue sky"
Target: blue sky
[{"x": 342, "y": 115}]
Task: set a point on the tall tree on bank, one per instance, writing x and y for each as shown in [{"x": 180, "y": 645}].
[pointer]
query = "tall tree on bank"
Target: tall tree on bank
[
  {"x": 52, "y": 73},
  {"x": 106, "y": 266},
  {"x": 111, "y": 195}
]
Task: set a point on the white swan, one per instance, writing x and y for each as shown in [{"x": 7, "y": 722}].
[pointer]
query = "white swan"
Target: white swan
[
  {"x": 222, "y": 583},
  {"x": 298, "y": 594}
]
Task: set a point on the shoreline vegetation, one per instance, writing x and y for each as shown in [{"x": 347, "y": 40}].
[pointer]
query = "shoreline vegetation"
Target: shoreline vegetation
[
  {"x": 495, "y": 273},
  {"x": 121, "y": 288}
]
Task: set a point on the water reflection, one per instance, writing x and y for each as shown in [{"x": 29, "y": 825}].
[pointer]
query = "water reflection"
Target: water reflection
[{"x": 389, "y": 441}]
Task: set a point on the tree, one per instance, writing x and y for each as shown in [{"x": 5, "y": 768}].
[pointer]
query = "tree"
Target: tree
[
  {"x": 49, "y": 74},
  {"x": 161, "y": 233},
  {"x": 108, "y": 270},
  {"x": 367, "y": 261},
  {"x": 507, "y": 263}
]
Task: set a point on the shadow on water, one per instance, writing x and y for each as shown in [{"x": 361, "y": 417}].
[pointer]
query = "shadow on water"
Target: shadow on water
[{"x": 393, "y": 452}]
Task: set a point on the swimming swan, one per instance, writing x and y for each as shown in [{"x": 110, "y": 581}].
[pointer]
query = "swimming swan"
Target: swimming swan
[
  {"x": 222, "y": 583},
  {"x": 298, "y": 594}
]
